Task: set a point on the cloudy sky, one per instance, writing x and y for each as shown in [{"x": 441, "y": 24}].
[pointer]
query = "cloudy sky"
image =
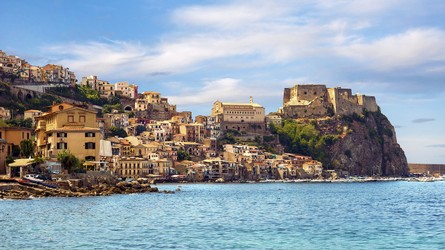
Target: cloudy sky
[{"x": 197, "y": 52}]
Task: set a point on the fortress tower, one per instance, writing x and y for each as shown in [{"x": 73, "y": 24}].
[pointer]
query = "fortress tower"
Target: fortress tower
[{"x": 318, "y": 101}]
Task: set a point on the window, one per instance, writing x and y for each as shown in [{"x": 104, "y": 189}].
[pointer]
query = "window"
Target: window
[
  {"x": 0, "y": 135},
  {"x": 90, "y": 134},
  {"x": 90, "y": 158},
  {"x": 82, "y": 118},
  {"x": 62, "y": 145},
  {"x": 90, "y": 145},
  {"x": 62, "y": 134},
  {"x": 27, "y": 136},
  {"x": 71, "y": 118}
]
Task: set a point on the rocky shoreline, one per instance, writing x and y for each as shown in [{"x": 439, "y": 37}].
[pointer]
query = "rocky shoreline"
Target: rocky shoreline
[{"x": 17, "y": 190}]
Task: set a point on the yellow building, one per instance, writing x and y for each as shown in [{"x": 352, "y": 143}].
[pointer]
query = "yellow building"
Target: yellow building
[
  {"x": 132, "y": 167},
  {"x": 193, "y": 132},
  {"x": 249, "y": 117},
  {"x": 10, "y": 136},
  {"x": 67, "y": 127},
  {"x": 152, "y": 97}
]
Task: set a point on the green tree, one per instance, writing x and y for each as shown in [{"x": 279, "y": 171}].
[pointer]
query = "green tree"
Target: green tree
[
  {"x": 68, "y": 161},
  {"x": 119, "y": 132},
  {"x": 140, "y": 129},
  {"x": 27, "y": 123},
  {"x": 182, "y": 155},
  {"x": 27, "y": 148}
]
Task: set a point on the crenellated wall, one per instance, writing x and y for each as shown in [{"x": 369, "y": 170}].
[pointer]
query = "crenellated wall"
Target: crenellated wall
[{"x": 319, "y": 101}]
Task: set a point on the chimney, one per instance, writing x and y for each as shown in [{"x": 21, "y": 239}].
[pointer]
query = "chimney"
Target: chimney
[{"x": 251, "y": 100}]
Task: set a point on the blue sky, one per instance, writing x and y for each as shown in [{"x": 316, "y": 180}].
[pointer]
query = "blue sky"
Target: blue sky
[{"x": 197, "y": 52}]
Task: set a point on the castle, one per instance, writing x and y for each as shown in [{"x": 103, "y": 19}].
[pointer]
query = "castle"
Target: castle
[{"x": 318, "y": 101}]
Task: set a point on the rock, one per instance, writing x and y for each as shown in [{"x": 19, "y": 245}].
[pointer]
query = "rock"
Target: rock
[
  {"x": 135, "y": 185},
  {"x": 370, "y": 148}
]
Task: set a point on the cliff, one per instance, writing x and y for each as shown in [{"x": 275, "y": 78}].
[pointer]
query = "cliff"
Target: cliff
[
  {"x": 363, "y": 144},
  {"x": 368, "y": 147}
]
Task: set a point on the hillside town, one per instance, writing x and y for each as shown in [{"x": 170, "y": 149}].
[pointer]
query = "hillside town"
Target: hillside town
[
  {"x": 148, "y": 138},
  {"x": 157, "y": 142}
]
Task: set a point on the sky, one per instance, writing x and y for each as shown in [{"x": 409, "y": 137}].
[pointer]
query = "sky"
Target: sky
[{"x": 198, "y": 52}]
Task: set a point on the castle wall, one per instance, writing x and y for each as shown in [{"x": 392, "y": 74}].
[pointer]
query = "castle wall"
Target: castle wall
[
  {"x": 368, "y": 102},
  {"x": 286, "y": 95},
  {"x": 311, "y": 110},
  {"x": 308, "y": 92},
  {"x": 319, "y": 101}
]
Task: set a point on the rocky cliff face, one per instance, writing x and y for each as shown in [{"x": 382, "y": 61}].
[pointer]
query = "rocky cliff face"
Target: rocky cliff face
[{"x": 367, "y": 146}]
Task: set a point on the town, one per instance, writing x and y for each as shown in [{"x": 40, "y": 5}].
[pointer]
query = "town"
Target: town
[{"x": 146, "y": 137}]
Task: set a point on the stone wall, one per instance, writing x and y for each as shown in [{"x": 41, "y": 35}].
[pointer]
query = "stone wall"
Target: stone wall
[
  {"x": 244, "y": 127},
  {"x": 319, "y": 101}
]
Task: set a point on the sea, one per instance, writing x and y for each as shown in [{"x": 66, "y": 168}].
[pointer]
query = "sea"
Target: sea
[{"x": 371, "y": 215}]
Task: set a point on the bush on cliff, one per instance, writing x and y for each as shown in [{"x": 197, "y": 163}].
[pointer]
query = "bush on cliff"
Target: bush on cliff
[{"x": 304, "y": 139}]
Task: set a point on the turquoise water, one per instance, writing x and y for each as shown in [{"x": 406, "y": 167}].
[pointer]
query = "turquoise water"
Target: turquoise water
[{"x": 384, "y": 215}]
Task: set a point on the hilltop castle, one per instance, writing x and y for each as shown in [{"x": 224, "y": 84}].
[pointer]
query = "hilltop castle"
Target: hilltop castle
[{"x": 318, "y": 101}]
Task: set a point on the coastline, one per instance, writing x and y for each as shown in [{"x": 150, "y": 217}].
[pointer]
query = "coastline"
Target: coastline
[{"x": 17, "y": 190}]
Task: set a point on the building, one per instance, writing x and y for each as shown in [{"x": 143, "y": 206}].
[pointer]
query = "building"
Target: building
[
  {"x": 274, "y": 119},
  {"x": 152, "y": 97},
  {"x": 193, "y": 132},
  {"x": 10, "y": 137},
  {"x": 5, "y": 114},
  {"x": 32, "y": 114},
  {"x": 132, "y": 167},
  {"x": 52, "y": 73},
  {"x": 103, "y": 87},
  {"x": 71, "y": 128},
  {"x": 158, "y": 107},
  {"x": 313, "y": 168},
  {"x": 126, "y": 89},
  {"x": 243, "y": 117},
  {"x": 318, "y": 101}
]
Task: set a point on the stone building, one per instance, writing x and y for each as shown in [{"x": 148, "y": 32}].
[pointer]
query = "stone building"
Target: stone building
[
  {"x": 318, "y": 101},
  {"x": 243, "y": 117}
]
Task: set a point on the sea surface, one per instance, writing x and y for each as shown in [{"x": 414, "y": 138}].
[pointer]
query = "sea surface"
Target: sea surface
[{"x": 378, "y": 215}]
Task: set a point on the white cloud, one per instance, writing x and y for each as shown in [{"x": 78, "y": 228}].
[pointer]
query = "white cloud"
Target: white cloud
[
  {"x": 258, "y": 34},
  {"x": 226, "y": 89},
  {"x": 235, "y": 15},
  {"x": 410, "y": 48}
]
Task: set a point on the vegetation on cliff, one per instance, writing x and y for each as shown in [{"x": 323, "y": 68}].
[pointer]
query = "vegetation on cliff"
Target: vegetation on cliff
[
  {"x": 362, "y": 144},
  {"x": 304, "y": 138}
]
